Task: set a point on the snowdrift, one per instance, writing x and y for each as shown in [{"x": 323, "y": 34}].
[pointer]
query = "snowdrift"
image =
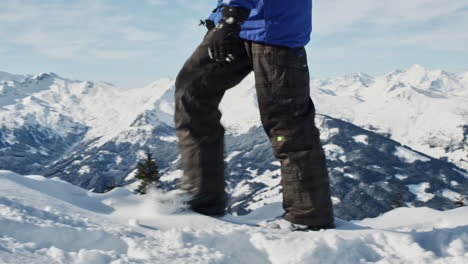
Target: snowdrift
[{"x": 51, "y": 221}]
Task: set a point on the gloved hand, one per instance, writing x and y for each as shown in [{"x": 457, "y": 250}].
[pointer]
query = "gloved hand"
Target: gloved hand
[{"x": 225, "y": 36}]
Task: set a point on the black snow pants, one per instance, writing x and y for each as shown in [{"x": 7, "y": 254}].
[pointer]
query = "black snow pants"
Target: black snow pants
[{"x": 287, "y": 114}]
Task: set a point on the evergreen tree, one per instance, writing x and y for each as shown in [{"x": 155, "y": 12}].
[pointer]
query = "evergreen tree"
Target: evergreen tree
[
  {"x": 460, "y": 200},
  {"x": 147, "y": 172},
  {"x": 398, "y": 199}
]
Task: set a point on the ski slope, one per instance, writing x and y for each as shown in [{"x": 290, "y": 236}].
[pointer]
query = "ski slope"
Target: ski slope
[{"x": 51, "y": 221}]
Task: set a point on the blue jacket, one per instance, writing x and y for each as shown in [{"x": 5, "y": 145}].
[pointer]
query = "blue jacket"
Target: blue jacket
[{"x": 278, "y": 22}]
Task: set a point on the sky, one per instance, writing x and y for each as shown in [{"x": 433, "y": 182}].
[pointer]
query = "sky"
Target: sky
[{"x": 133, "y": 42}]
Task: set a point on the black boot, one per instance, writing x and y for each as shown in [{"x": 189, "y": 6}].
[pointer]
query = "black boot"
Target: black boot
[{"x": 213, "y": 204}]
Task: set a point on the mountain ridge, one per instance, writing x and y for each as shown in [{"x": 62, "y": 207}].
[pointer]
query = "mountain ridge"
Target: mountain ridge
[{"x": 92, "y": 134}]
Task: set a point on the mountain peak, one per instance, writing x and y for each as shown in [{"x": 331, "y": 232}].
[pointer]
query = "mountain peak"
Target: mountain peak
[
  {"x": 416, "y": 68},
  {"x": 413, "y": 70},
  {"x": 363, "y": 78},
  {"x": 45, "y": 75}
]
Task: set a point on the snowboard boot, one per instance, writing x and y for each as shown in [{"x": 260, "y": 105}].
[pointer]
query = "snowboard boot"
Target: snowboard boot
[{"x": 213, "y": 204}]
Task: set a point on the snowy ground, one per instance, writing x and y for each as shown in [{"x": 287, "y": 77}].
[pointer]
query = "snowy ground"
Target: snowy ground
[{"x": 51, "y": 221}]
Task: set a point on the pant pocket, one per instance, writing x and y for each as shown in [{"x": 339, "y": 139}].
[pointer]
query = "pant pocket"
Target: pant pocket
[{"x": 290, "y": 74}]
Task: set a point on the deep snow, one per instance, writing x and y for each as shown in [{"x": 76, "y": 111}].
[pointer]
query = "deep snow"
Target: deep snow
[{"x": 51, "y": 221}]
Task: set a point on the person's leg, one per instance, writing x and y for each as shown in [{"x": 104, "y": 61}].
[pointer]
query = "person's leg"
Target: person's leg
[
  {"x": 287, "y": 113},
  {"x": 200, "y": 87}
]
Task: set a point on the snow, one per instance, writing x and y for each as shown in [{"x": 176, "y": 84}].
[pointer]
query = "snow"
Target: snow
[
  {"x": 266, "y": 197},
  {"x": 118, "y": 160},
  {"x": 401, "y": 176},
  {"x": 454, "y": 196},
  {"x": 232, "y": 155},
  {"x": 239, "y": 107},
  {"x": 269, "y": 178},
  {"x": 336, "y": 200},
  {"x": 352, "y": 176},
  {"x": 240, "y": 189},
  {"x": 420, "y": 191},
  {"x": 172, "y": 175},
  {"x": 334, "y": 152},
  {"x": 327, "y": 134},
  {"x": 84, "y": 169},
  {"x": 421, "y": 108},
  {"x": 361, "y": 139},
  {"x": 50, "y": 221},
  {"x": 100, "y": 108},
  {"x": 47, "y": 220},
  {"x": 408, "y": 155},
  {"x": 252, "y": 172},
  {"x": 169, "y": 139}
]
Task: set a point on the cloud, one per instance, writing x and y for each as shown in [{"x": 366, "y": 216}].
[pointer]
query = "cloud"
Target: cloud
[
  {"x": 452, "y": 38},
  {"x": 157, "y": 2},
  {"x": 415, "y": 11},
  {"x": 136, "y": 34},
  {"x": 332, "y": 16},
  {"x": 65, "y": 29},
  {"x": 118, "y": 54},
  {"x": 449, "y": 35},
  {"x": 345, "y": 27},
  {"x": 159, "y": 35},
  {"x": 197, "y": 5}
]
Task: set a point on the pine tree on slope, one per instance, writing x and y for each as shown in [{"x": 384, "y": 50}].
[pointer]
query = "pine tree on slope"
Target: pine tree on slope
[
  {"x": 460, "y": 200},
  {"x": 398, "y": 198},
  {"x": 147, "y": 172}
]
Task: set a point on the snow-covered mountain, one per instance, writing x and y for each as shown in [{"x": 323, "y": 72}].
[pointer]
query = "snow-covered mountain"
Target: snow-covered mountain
[
  {"x": 92, "y": 134},
  {"x": 424, "y": 109},
  {"x": 45, "y": 116},
  {"x": 51, "y": 221}
]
